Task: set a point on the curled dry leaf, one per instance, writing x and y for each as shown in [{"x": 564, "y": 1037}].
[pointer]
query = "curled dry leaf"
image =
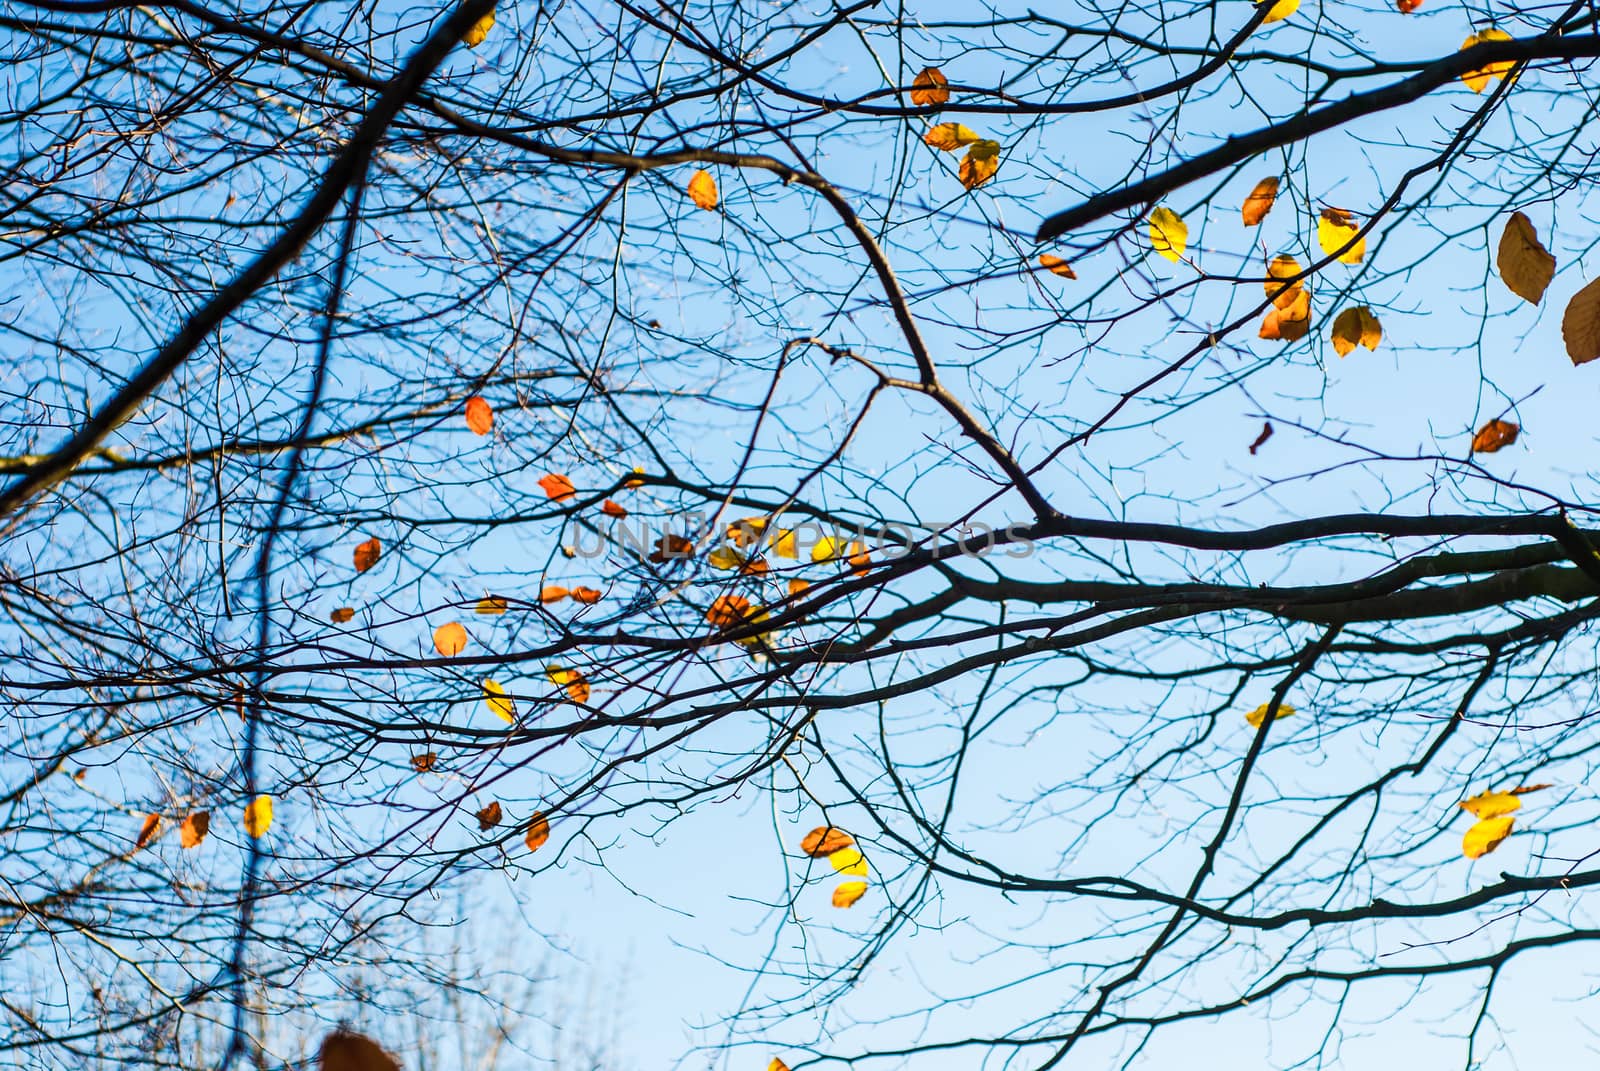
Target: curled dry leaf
[
  {"x": 1526, "y": 266},
  {"x": 611, "y": 509},
  {"x": 587, "y": 596},
  {"x": 491, "y": 604},
  {"x": 342, "y": 614},
  {"x": 489, "y": 817},
  {"x": 367, "y": 554},
  {"x": 930, "y": 88},
  {"x": 450, "y": 639},
  {"x": 703, "y": 190},
  {"x": 1494, "y": 435},
  {"x": 825, "y": 840},
  {"x": 553, "y": 593},
  {"x": 1169, "y": 234},
  {"x": 1259, "y": 714},
  {"x": 1580, "y": 324},
  {"x": 258, "y": 816},
  {"x": 671, "y": 548},
  {"x": 1356, "y": 326},
  {"x": 1523, "y": 790},
  {"x": 147, "y": 831},
  {"x": 948, "y": 137},
  {"x": 1261, "y": 440},
  {"x": 1485, "y": 836},
  {"x": 499, "y": 704},
  {"x": 557, "y": 486},
  {"x": 538, "y": 831},
  {"x": 1490, "y": 804},
  {"x": 980, "y": 164},
  {"x": 1336, "y": 228},
  {"x": 848, "y": 893},
  {"x": 344, "y": 1051},
  {"x": 728, "y": 611},
  {"x": 1260, "y": 201},
  {"x": 1056, "y": 266},
  {"x": 479, "y": 33},
  {"x": 425, "y": 762},
  {"x": 480, "y": 418},
  {"x": 193, "y": 829}
]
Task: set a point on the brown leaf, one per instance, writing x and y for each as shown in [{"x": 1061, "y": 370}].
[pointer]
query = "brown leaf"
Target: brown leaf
[
  {"x": 1356, "y": 326},
  {"x": 1494, "y": 435},
  {"x": 671, "y": 547},
  {"x": 587, "y": 596},
  {"x": 345, "y": 1051},
  {"x": 1056, "y": 266},
  {"x": 424, "y": 762},
  {"x": 557, "y": 486},
  {"x": 980, "y": 164},
  {"x": 193, "y": 829},
  {"x": 930, "y": 88},
  {"x": 1525, "y": 265},
  {"x": 489, "y": 817},
  {"x": 538, "y": 831},
  {"x": 1580, "y": 326},
  {"x": 147, "y": 831},
  {"x": 342, "y": 614},
  {"x": 367, "y": 554},
  {"x": 728, "y": 611},
  {"x": 611, "y": 509},
  {"x": 1260, "y": 201},
  {"x": 1261, "y": 440},
  {"x": 450, "y": 639},
  {"x": 480, "y": 418},
  {"x": 703, "y": 190},
  {"x": 825, "y": 840}
]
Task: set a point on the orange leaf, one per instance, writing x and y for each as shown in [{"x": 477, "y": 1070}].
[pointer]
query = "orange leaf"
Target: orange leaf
[
  {"x": 587, "y": 596},
  {"x": 1290, "y": 322},
  {"x": 848, "y": 893},
  {"x": 450, "y": 639},
  {"x": 1494, "y": 435},
  {"x": 825, "y": 840},
  {"x": 342, "y": 614},
  {"x": 538, "y": 831},
  {"x": 344, "y": 1051},
  {"x": 744, "y": 533},
  {"x": 1580, "y": 324},
  {"x": 1260, "y": 201},
  {"x": 553, "y": 593},
  {"x": 727, "y": 611},
  {"x": 147, "y": 831},
  {"x": 777, "y": 1065},
  {"x": 930, "y": 88},
  {"x": 703, "y": 190},
  {"x": 557, "y": 486},
  {"x": 611, "y": 509},
  {"x": 1056, "y": 266},
  {"x": 367, "y": 554},
  {"x": 489, "y": 817},
  {"x": 424, "y": 762},
  {"x": 980, "y": 163},
  {"x": 634, "y": 484},
  {"x": 671, "y": 547},
  {"x": 480, "y": 418},
  {"x": 1407, "y": 6},
  {"x": 799, "y": 587},
  {"x": 193, "y": 829}
]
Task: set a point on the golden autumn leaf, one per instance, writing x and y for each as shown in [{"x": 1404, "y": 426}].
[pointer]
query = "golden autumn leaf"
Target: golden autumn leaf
[
  {"x": 574, "y": 683},
  {"x": 849, "y": 861},
  {"x": 367, "y": 554},
  {"x": 1490, "y": 804},
  {"x": 147, "y": 831},
  {"x": 784, "y": 545},
  {"x": 930, "y": 88},
  {"x": 489, "y": 817},
  {"x": 725, "y": 558},
  {"x": 703, "y": 190},
  {"x": 450, "y": 639},
  {"x": 1526, "y": 266},
  {"x": 980, "y": 164},
  {"x": 1335, "y": 229},
  {"x": 1280, "y": 10},
  {"x": 612, "y": 509},
  {"x": 1289, "y": 322},
  {"x": 553, "y": 593},
  {"x": 1356, "y": 326},
  {"x": 948, "y": 137},
  {"x": 777, "y": 1065},
  {"x": 1056, "y": 266},
  {"x": 1280, "y": 269},
  {"x": 825, "y": 840},
  {"x": 1169, "y": 234},
  {"x": 827, "y": 548},
  {"x": 1485, "y": 836},
  {"x": 538, "y": 831},
  {"x": 799, "y": 587},
  {"x": 746, "y": 532},
  {"x": 848, "y": 893},
  {"x": 755, "y": 616},
  {"x": 1259, "y": 714},
  {"x": 557, "y": 486},
  {"x": 756, "y": 566},
  {"x": 635, "y": 483},
  {"x": 1259, "y": 201},
  {"x": 425, "y": 762},
  {"x": 1495, "y": 434},
  {"x": 499, "y": 704},
  {"x": 1478, "y": 79},
  {"x": 858, "y": 559},
  {"x": 480, "y": 418},
  {"x": 490, "y": 604},
  {"x": 344, "y": 1051},
  {"x": 342, "y": 614},
  {"x": 258, "y": 816},
  {"x": 477, "y": 35},
  {"x": 1580, "y": 324},
  {"x": 193, "y": 829},
  {"x": 728, "y": 611},
  {"x": 586, "y": 596}
]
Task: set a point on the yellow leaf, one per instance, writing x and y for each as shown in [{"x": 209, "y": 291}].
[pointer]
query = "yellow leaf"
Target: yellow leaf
[
  {"x": 1336, "y": 228},
  {"x": 724, "y": 557},
  {"x": 703, "y": 190},
  {"x": 344, "y": 1051},
  {"x": 1356, "y": 326},
  {"x": 777, "y": 1065},
  {"x": 1280, "y": 268},
  {"x": 499, "y": 704},
  {"x": 849, "y": 861},
  {"x": 478, "y": 35},
  {"x": 1580, "y": 324},
  {"x": 1259, "y": 714},
  {"x": 1280, "y": 10},
  {"x": 980, "y": 164},
  {"x": 194, "y": 828},
  {"x": 491, "y": 604},
  {"x": 1490, "y": 804},
  {"x": 798, "y": 587},
  {"x": 827, "y": 549},
  {"x": 450, "y": 639},
  {"x": 1169, "y": 234},
  {"x": 1494, "y": 435},
  {"x": 538, "y": 831},
  {"x": 1261, "y": 198},
  {"x": 825, "y": 840},
  {"x": 754, "y": 616},
  {"x": 258, "y": 816},
  {"x": 948, "y": 137},
  {"x": 1485, "y": 836},
  {"x": 744, "y": 532},
  {"x": 930, "y": 88},
  {"x": 848, "y": 893},
  {"x": 1526, "y": 266},
  {"x": 1478, "y": 79},
  {"x": 784, "y": 545},
  {"x": 575, "y": 684}
]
